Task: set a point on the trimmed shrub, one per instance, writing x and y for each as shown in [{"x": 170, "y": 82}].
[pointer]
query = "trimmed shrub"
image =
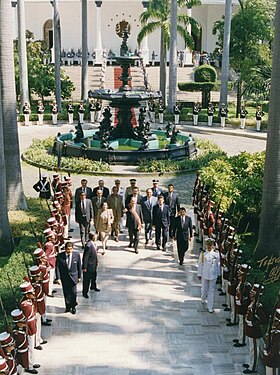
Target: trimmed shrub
[{"x": 205, "y": 73}]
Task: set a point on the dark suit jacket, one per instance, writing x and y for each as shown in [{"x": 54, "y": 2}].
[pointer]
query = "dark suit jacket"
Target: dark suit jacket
[
  {"x": 173, "y": 203},
  {"x": 78, "y": 211},
  {"x": 90, "y": 257},
  {"x": 78, "y": 192},
  {"x": 95, "y": 207},
  {"x": 131, "y": 223},
  {"x": 127, "y": 200},
  {"x": 161, "y": 217},
  {"x": 182, "y": 234},
  {"x": 105, "y": 191},
  {"x": 147, "y": 208},
  {"x": 69, "y": 275}
]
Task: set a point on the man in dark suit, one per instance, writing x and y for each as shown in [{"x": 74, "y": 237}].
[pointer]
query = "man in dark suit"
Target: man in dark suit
[
  {"x": 171, "y": 198},
  {"x": 182, "y": 233},
  {"x": 134, "y": 220},
  {"x": 161, "y": 220},
  {"x": 105, "y": 191},
  {"x": 148, "y": 202},
  {"x": 83, "y": 189},
  {"x": 83, "y": 216},
  {"x": 89, "y": 265},
  {"x": 136, "y": 195},
  {"x": 69, "y": 269}
]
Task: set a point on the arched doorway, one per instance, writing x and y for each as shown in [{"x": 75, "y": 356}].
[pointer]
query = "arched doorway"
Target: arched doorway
[{"x": 48, "y": 33}]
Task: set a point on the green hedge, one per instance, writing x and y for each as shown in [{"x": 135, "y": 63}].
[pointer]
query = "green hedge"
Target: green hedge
[
  {"x": 40, "y": 153},
  {"x": 205, "y": 73}
]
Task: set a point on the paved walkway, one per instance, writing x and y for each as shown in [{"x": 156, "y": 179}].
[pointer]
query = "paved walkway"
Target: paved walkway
[{"x": 147, "y": 319}]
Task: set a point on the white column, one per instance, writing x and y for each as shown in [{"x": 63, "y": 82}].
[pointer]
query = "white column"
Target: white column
[
  {"x": 99, "y": 49},
  {"x": 145, "y": 52},
  {"x": 188, "y": 54}
]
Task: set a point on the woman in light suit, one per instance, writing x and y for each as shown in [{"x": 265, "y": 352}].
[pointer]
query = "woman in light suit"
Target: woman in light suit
[{"x": 105, "y": 219}]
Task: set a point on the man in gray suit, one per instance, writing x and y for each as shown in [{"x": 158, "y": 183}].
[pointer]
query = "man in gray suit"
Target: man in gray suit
[
  {"x": 83, "y": 216},
  {"x": 182, "y": 233},
  {"x": 89, "y": 265},
  {"x": 148, "y": 202}
]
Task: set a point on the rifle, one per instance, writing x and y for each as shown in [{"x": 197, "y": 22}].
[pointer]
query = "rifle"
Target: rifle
[
  {"x": 8, "y": 329},
  {"x": 12, "y": 289},
  {"x": 40, "y": 174},
  {"x": 271, "y": 320},
  {"x": 34, "y": 233},
  {"x": 26, "y": 267},
  {"x": 217, "y": 216}
]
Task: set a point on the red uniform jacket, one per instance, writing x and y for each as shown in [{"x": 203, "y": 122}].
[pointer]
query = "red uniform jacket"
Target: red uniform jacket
[
  {"x": 29, "y": 311},
  {"x": 20, "y": 337}
]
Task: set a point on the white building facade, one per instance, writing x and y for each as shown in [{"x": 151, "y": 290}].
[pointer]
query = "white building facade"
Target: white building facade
[{"x": 102, "y": 19}]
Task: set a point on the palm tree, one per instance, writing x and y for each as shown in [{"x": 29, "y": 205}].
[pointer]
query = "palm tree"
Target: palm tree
[
  {"x": 226, "y": 43},
  {"x": 22, "y": 55},
  {"x": 269, "y": 233},
  {"x": 57, "y": 51},
  {"x": 84, "y": 51},
  {"x": 14, "y": 187},
  {"x": 159, "y": 13},
  {"x": 173, "y": 56}
]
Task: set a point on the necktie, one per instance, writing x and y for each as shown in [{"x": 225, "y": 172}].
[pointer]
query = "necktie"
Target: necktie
[{"x": 83, "y": 207}]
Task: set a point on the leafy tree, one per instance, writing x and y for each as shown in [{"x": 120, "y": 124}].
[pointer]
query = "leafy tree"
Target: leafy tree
[
  {"x": 157, "y": 16},
  {"x": 251, "y": 37},
  {"x": 41, "y": 77}
]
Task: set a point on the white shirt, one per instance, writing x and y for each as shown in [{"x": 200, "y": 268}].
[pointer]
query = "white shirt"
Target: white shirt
[{"x": 209, "y": 265}]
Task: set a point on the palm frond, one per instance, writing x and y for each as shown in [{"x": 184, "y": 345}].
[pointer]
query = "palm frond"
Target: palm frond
[
  {"x": 186, "y": 36},
  {"x": 147, "y": 29}
]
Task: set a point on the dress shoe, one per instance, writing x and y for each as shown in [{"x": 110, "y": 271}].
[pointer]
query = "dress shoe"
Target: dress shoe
[
  {"x": 158, "y": 248},
  {"x": 49, "y": 320},
  {"x": 231, "y": 324},
  {"x": 121, "y": 231},
  {"x": 235, "y": 340},
  {"x": 227, "y": 309},
  {"x": 164, "y": 248},
  {"x": 67, "y": 310},
  {"x": 38, "y": 347},
  {"x": 245, "y": 365},
  {"x": 46, "y": 324},
  {"x": 51, "y": 295},
  {"x": 36, "y": 365},
  {"x": 219, "y": 289},
  {"x": 146, "y": 242},
  {"x": 248, "y": 371},
  {"x": 71, "y": 230},
  {"x": 136, "y": 251},
  {"x": 130, "y": 245},
  {"x": 73, "y": 311},
  {"x": 181, "y": 263},
  {"x": 31, "y": 371},
  {"x": 96, "y": 289},
  {"x": 54, "y": 291},
  {"x": 238, "y": 345},
  {"x": 222, "y": 294},
  {"x": 44, "y": 342},
  {"x": 228, "y": 320},
  {"x": 224, "y": 305},
  {"x": 85, "y": 296}
]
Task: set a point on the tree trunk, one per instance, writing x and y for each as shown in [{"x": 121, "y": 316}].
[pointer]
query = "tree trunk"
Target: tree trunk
[
  {"x": 172, "y": 94},
  {"x": 23, "y": 71},
  {"x": 6, "y": 241},
  {"x": 57, "y": 51},
  {"x": 162, "y": 72},
  {"x": 14, "y": 187},
  {"x": 84, "y": 52},
  {"x": 225, "y": 61},
  {"x": 269, "y": 233}
]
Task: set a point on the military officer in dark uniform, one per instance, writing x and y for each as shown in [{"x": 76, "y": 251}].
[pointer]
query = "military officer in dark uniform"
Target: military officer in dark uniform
[
  {"x": 40, "y": 111},
  {"x": 26, "y": 111},
  {"x": 98, "y": 111},
  {"x": 196, "y": 110},
  {"x": 81, "y": 111},
  {"x": 70, "y": 111},
  {"x": 259, "y": 115},
  {"x": 161, "y": 109},
  {"x": 54, "y": 112},
  {"x": 92, "y": 111},
  {"x": 223, "y": 114},
  {"x": 43, "y": 187},
  {"x": 210, "y": 113},
  {"x": 176, "y": 111},
  {"x": 152, "y": 109},
  {"x": 243, "y": 115}
]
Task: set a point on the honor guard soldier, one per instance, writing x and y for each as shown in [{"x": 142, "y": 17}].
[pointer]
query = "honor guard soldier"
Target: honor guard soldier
[
  {"x": 92, "y": 111},
  {"x": 161, "y": 109},
  {"x": 98, "y": 111},
  {"x": 176, "y": 111},
  {"x": 81, "y": 111},
  {"x": 208, "y": 272},
  {"x": 36, "y": 282},
  {"x": 209, "y": 219},
  {"x": 54, "y": 112},
  {"x": 3, "y": 366},
  {"x": 271, "y": 354},
  {"x": 21, "y": 340},
  {"x": 43, "y": 187},
  {"x": 51, "y": 253},
  {"x": 232, "y": 284},
  {"x": 26, "y": 111},
  {"x": 243, "y": 115},
  {"x": 223, "y": 111},
  {"x": 70, "y": 111},
  {"x": 255, "y": 317},
  {"x": 210, "y": 113},
  {"x": 242, "y": 301},
  {"x": 152, "y": 110},
  {"x": 153, "y": 58},
  {"x": 196, "y": 110},
  {"x": 40, "y": 111},
  {"x": 28, "y": 308},
  {"x": 56, "y": 185},
  {"x": 7, "y": 343},
  {"x": 259, "y": 115}
]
